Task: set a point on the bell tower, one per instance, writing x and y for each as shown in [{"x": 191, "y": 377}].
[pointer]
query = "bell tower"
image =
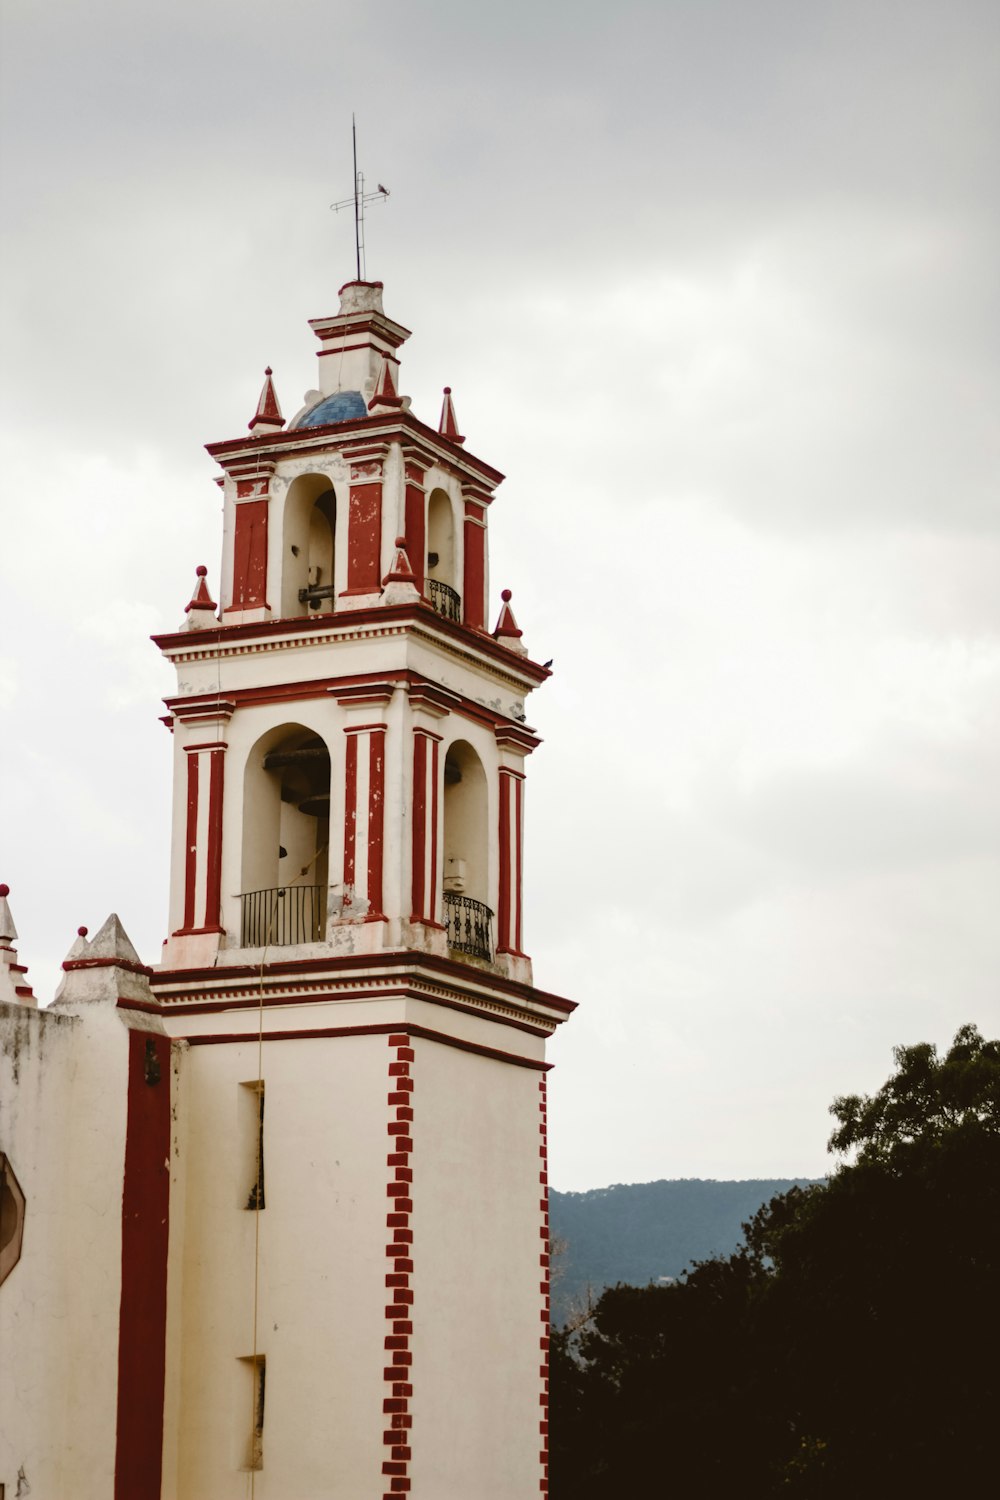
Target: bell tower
[{"x": 358, "y": 1203}]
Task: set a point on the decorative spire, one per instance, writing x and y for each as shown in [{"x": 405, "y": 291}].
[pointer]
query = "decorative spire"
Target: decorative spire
[
  {"x": 14, "y": 986},
  {"x": 399, "y": 585},
  {"x": 506, "y": 627},
  {"x": 105, "y": 969},
  {"x": 267, "y": 418},
  {"x": 448, "y": 425},
  {"x": 386, "y": 396},
  {"x": 201, "y": 608}
]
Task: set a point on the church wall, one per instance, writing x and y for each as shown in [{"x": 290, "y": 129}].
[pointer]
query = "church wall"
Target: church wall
[
  {"x": 321, "y": 1270},
  {"x": 63, "y": 1097},
  {"x": 477, "y": 1245}
]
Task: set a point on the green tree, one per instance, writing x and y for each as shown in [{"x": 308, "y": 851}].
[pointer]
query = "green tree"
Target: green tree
[{"x": 847, "y": 1348}]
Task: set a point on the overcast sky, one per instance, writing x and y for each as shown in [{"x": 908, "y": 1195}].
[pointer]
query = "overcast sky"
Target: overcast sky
[{"x": 715, "y": 285}]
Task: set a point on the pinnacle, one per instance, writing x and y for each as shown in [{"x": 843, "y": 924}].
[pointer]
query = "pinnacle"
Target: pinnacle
[
  {"x": 201, "y": 602},
  {"x": 385, "y": 390},
  {"x": 14, "y": 986},
  {"x": 112, "y": 941},
  {"x": 268, "y": 416},
  {"x": 448, "y": 425},
  {"x": 506, "y": 630}
]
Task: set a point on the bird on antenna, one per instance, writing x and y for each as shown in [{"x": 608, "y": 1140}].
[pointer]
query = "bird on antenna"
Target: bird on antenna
[{"x": 358, "y": 200}]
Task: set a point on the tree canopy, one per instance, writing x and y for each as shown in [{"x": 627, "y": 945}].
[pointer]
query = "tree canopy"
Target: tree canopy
[{"x": 847, "y": 1347}]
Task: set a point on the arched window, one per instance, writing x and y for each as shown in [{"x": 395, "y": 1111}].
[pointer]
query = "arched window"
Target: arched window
[
  {"x": 467, "y": 917},
  {"x": 286, "y": 836},
  {"x": 442, "y": 582},
  {"x": 309, "y": 547}
]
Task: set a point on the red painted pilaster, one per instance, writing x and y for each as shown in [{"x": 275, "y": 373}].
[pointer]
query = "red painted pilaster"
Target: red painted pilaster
[
  {"x": 191, "y": 835},
  {"x": 376, "y": 817},
  {"x": 350, "y": 811},
  {"x": 424, "y": 850},
  {"x": 474, "y": 588},
  {"x": 364, "y": 528},
  {"x": 415, "y": 531},
  {"x": 213, "y": 874},
  {"x": 250, "y": 554},
  {"x": 142, "y": 1325},
  {"x": 509, "y": 897}
]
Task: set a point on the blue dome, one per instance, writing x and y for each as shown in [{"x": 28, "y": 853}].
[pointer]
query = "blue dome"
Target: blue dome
[{"x": 343, "y": 406}]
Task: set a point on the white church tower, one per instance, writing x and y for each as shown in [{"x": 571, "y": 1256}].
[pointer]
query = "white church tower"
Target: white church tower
[{"x": 327, "y": 1112}]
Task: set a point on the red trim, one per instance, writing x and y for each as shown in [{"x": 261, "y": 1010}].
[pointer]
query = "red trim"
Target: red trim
[
  {"x": 142, "y": 1321},
  {"x": 370, "y": 966},
  {"x": 213, "y": 872},
  {"x": 105, "y": 963},
  {"x": 474, "y": 592},
  {"x": 413, "y": 529},
  {"x": 349, "y": 622},
  {"x": 410, "y": 1027},
  {"x": 376, "y": 817},
  {"x": 191, "y": 834},
  {"x": 473, "y": 470},
  {"x": 422, "y": 694},
  {"x": 350, "y": 808},
  {"x": 249, "y": 589},
  {"x": 419, "y": 845},
  {"x": 546, "y": 1312},
  {"x": 519, "y": 836},
  {"x": 345, "y": 997},
  {"x": 435, "y": 758},
  {"x": 503, "y": 914},
  {"x": 364, "y": 536},
  {"x": 398, "y": 1371}
]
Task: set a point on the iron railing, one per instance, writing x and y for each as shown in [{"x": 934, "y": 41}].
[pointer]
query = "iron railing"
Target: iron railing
[
  {"x": 445, "y": 601},
  {"x": 282, "y": 915},
  {"x": 469, "y": 924}
]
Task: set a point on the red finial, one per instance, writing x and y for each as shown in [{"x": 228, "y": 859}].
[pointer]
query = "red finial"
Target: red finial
[
  {"x": 4, "y": 891},
  {"x": 506, "y": 625},
  {"x": 268, "y": 413},
  {"x": 385, "y": 391},
  {"x": 400, "y": 570},
  {"x": 81, "y": 932},
  {"x": 201, "y": 598},
  {"x": 448, "y": 425}
]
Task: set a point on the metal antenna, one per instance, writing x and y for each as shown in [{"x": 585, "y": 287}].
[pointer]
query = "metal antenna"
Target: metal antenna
[{"x": 358, "y": 201}]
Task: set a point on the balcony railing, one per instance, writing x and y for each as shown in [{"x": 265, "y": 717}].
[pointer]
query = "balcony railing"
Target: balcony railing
[
  {"x": 445, "y": 601},
  {"x": 469, "y": 924},
  {"x": 282, "y": 915}
]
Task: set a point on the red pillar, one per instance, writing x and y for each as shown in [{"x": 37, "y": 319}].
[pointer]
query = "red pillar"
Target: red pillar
[{"x": 510, "y": 831}]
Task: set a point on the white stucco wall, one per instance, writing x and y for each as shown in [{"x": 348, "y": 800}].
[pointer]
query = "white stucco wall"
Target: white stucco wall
[
  {"x": 476, "y": 1259},
  {"x": 63, "y": 1102},
  {"x": 321, "y": 1290}
]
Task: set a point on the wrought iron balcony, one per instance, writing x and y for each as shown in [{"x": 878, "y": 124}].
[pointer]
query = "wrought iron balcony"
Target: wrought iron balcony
[
  {"x": 282, "y": 915},
  {"x": 469, "y": 924},
  {"x": 445, "y": 601}
]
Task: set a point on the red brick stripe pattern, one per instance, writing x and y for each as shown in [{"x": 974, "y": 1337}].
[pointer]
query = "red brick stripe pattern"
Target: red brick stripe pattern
[
  {"x": 398, "y": 1371},
  {"x": 543, "y": 1182}
]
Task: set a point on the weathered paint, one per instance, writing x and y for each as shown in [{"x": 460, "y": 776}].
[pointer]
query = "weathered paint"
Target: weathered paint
[{"x": 145, "y": 1233}]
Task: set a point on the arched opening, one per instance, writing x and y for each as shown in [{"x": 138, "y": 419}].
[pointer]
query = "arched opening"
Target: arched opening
[
  {"x": 309, "y": 546},
  {"x": 467, "y": 917},
  {"x": 286, "y": 836},
  {"x": 442, "y": 582}
]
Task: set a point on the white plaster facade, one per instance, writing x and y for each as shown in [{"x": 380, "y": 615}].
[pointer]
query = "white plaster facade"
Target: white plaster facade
[{"x": 286, "y": 1192}]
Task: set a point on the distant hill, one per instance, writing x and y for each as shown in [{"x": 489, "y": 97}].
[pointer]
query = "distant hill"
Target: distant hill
[{"x": 640, "y": 1232}]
